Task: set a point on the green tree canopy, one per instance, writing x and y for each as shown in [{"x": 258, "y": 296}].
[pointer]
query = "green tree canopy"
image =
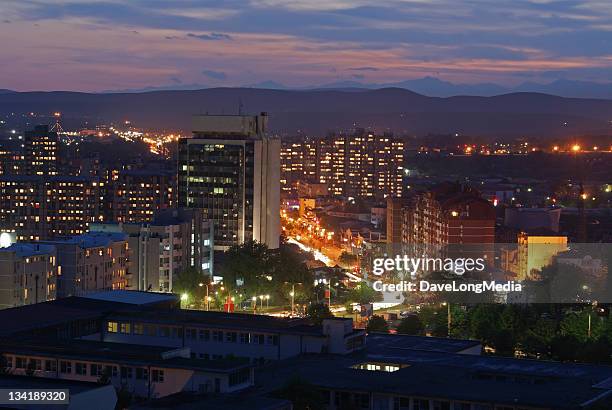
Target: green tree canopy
[
  {"x": 411, "y": 325},
  {"x": 317, "y": 312},
  {"x": 377, "y": 324}
]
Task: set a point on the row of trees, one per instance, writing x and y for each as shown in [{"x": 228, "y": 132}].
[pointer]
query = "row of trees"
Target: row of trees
[
  {"x": 252, "y": 269},
  {"x": 539, "y": 331}
]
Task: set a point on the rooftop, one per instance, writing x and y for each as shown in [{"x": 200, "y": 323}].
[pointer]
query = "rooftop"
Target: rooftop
[
  {"x": 132, "y": 297},
  {"x": 93, "y": 239},
  {"x": 29, "y": 249},
  {"x": 384, "y": 342},
  {"x": 111, "y": 352},
  {"x": 42, "y": 383},
  {"x": 239, "y": 321},
  {"x": 447, "y": 376},
  {"x": 40, "y": 316}
]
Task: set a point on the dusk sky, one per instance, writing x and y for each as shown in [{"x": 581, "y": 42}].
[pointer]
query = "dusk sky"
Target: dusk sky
[{"x": 90, "y": 45}]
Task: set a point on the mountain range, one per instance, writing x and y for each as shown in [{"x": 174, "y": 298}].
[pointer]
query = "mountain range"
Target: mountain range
[
  {"x": 320, "y": 111},
  {"x": 429, "y": 86}
]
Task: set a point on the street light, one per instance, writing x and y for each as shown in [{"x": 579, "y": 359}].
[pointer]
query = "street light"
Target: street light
[
  {"x": 292, "y": 294},
  {"x": 448, "y": 317},
  {"x": 267, "y": 301},
  {"x": 254, "y": 299},
  {"x": 207, "y": 297}
]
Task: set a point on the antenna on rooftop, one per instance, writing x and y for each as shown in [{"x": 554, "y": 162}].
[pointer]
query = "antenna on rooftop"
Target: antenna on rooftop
[{"x": 57, "y": 127}]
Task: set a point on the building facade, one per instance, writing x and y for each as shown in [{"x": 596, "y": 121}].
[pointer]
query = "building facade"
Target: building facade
[
  {"x": 135, "y": 195},
  {"x": 358, "y": 165},
  {"x": 41, "y": 151},
  {"x": 91, "y": 262},
  {"x": 177, "y": 239},
  {"x": 449, "y": 213},
  {"x": 28, "y": 274},
  {"x": 39, "y": 208},
  {"x": 230, "y": 169}
]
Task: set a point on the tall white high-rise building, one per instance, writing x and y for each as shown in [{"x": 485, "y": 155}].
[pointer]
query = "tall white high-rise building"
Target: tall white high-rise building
[{"x": 230, "y": 168}]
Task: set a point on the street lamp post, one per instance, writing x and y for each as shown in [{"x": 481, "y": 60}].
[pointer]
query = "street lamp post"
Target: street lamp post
[
  {"x": 448, "y": 318},
  {"x": 254, "y": 299},
  {"x": 267, "y": 301},
  {"x": 292, "y": 294},
  {"x": 292, "y": 299},
  {"x": 207, "y": 299}
]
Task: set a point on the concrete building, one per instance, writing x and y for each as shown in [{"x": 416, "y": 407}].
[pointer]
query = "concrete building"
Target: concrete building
[
  {"x": 36, "y": 207},
  {"x": 230, "y": 169},
  {"x": 28, "y": 274},
  {"x": 175, "y": 240},
  {"x": 214, "y": 335},
  {"x": 449, "y": 213},
  {"x": 144, "y": 371},
  {"x": 535, "y": 250},
  {"x": 143, "y": 342},
  {"x": 135, "y": 195},
  {"x": 41, "y": 151},
  {"x": 414, "y": 373},
  {"x": 91, "y": 262},
  {"x": 358, "y": 165},
  {"x": 82, "y": 394}
]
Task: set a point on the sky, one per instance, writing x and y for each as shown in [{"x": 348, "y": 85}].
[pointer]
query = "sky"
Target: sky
[{"x": 91, "y": 45}]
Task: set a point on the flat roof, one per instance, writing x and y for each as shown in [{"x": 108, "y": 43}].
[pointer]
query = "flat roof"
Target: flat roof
[
  {"x": 120, "y": 353},
  {"x": 222, "y": 320},
  {"x": 450, "y": 376},
  {"x": 245, "y": 400},
  {"x": 133, "y": 297},
  {"x": 23, "y": 249},
  {"x": 378, "y": 342},
  {"x": 57, "y": 312},
  {"x": 33, "y": 382}
]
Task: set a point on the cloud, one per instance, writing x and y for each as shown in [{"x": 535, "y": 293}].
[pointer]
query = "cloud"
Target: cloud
[
  {"x": 211, "y": 36},
  {"x": 176, "y": 80},
  {"x": 363, "y": 69},
  {"x": 217, "y": 75},
  {"x": 358, "y": 76}
]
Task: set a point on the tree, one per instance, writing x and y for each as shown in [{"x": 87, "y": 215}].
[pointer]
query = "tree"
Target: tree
[
  {"x": 302, "y": 394},
  {"x": 317, "y": 312},
  {"x": 362, "y": 294},
  {"x": 187, "y": 281},
  {"x": 411, "y": 325},
  {"x": 249, "y": 263},
  {"x": 347, "y": 259},
  {"x": 377, "y": 324}
]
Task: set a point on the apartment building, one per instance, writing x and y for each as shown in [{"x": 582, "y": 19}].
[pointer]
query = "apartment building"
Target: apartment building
[
  {"x": 358, "y": 165},
  {"x": 143, "y": 371},
  {"x": 91, "y": 262},
  {"x": 175, "y": 240},
  {"x": 37, "y": 207},
  {"x": 28, "y": 274}
]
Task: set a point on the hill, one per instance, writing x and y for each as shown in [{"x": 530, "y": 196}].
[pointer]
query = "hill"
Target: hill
[{"x": 320, "y": 111}]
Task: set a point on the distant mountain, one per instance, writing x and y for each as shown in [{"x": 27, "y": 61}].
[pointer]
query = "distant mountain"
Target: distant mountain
[
  {"x": 170, "y": 87},
  {"x": 5, "y": 91},
  {"x": 319, "y": 111},
  {"x": 268, "y": 85},
  {"x": 435, "y": 87},
  {"x": 570, "y": 88}
]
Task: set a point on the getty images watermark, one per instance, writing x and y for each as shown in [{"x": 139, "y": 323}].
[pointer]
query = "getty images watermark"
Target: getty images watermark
[{"x": 453, "y": 267}]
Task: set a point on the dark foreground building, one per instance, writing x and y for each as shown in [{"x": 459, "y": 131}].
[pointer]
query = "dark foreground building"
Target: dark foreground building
[{"x": 165, "y": 357}]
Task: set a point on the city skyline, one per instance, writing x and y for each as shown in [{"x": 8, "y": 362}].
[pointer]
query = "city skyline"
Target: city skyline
[{"x": 99, "y": 46}]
